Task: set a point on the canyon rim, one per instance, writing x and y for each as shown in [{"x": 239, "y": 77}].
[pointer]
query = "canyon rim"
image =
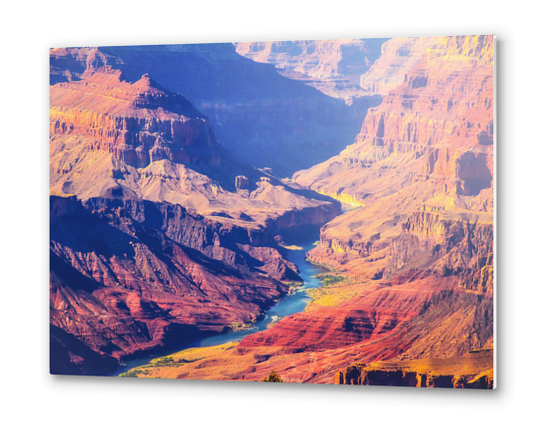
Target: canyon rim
[{"x": 294, "y": 211}]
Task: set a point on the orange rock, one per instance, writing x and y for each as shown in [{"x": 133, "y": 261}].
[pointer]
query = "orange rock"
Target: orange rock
[{"x": 472, "y": 371}]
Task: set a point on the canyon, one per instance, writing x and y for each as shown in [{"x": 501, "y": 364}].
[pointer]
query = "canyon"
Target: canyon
[
  {"x": 259, "y": 116},
  {"x": 158, "y": 235},
  {"x": 115, "y": 139},
  {"x": 202, "y": 232},
  {"x": 333, "y": 67},
  {"x": 131, "y": 276}
]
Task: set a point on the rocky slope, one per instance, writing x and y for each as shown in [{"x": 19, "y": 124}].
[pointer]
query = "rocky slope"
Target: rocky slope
[
  {"x": 409, "y": 318},
  {"x": 472, "y": 371},
  {"x": 139, "y": 123},
  {"x": 132, "y": 269},
  {"x": 398, "y": 57},
  {"x": 115, "y": 139},
  {"x": 261, "y": 117},
  {"x": 73, "y": 64},
  {"x": 131, "y": 276},
  {"x": 332, "y": 66},
  {"x": 421, "y": 176},
  {"x": 411, "y": 264},
  {"x": 425, "y": 154}
]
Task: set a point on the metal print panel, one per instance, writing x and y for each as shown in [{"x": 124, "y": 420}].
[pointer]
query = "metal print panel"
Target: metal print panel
[{"x": 296, "y": 212}]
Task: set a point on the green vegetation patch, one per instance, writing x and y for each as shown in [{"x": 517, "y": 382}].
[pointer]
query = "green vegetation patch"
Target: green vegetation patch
[
  {"x": 240, "y": 326},
  {"x": 294, "y": 284},
  {"x": 135, "y": 372},
  {"x": 273, "y": 378},
  {"x": 131, "y": 373},
  {"x": 328, "y": 279}
]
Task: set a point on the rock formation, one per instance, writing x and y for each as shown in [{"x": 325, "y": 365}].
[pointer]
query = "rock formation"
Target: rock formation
[
  {"x": 421, "y": 175},
  {"x": 144, "y": 141},
  {"x": 241, "y": 182},
  {"x": 131, "y": 276},
  {"x": 139, "y": 123},
  {"x": 472, "y": 371},
  {"x": 332, "y": 66},
  {"x": 132, "y": 269},
  {"x": 398, "y": 57},
  {"x": 424, "y": 154},
  {"x": 261, "y": 117}
]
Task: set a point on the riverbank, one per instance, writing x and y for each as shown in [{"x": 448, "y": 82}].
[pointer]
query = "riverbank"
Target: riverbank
[{"x": 296, "y": 301}]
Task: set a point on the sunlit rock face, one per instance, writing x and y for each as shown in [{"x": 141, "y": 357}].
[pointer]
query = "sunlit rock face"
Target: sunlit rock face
[
  {"x": 428, "y": 147},
  {"x": 260, "y": 116},
  {"x": 416, "y": 251},
  {"x": 398, "y": 57},
  {"x": 115, "y": 139},
  {"x": 420, "y": 174},
  {"x": 140, "y": 123},
  {"x": 472, "y": 371}
]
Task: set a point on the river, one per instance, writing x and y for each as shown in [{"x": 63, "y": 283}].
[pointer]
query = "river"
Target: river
[{"x": 291, "y": 304}]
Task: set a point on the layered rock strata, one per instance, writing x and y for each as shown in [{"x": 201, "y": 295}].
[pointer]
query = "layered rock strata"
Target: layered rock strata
[
  {"x": 332, "y": 66},
  {"x": 261, "y": 117},
  {"x": 133, "y": 270},
  {"x": 128, "y": 277},
  {"x": 139, "y": 123},
  {"x": 424, "y": 154},
  {"x": 421, "y": 178},
  {"x": 398, "y": 57},
  {"x": 473, "y": 371},
  {"x": 412, "y": 301},
  {"x": 114, "y": 139}
]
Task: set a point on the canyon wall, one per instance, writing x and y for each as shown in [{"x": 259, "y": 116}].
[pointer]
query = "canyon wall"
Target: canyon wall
[
  {"x": 133, "y": 276},
  {"x": 332, "y": 66},
  {"x": 420, "y": 176},
  {"x": 260, "y": 116},
  {"x": 427, "y": 147},
  {"x": 115, "y": 139},
  {"x": 398, "y": 57},
  {"x": 139, "y": 123},
  {"x": 473, "y": 371},
  {"x": 158, "y": 235}
]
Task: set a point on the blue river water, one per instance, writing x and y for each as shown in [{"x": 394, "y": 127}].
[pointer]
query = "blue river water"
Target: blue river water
[{"x": 291, "y": 304}]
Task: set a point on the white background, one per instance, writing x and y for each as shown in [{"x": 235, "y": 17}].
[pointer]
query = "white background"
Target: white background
[{"x": 29, "y": 29}]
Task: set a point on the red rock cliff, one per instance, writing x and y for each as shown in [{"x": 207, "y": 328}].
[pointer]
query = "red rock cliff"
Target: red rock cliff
[
  {"x": 140, "y": 123},
  {"x": 427, "y": 147}
]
